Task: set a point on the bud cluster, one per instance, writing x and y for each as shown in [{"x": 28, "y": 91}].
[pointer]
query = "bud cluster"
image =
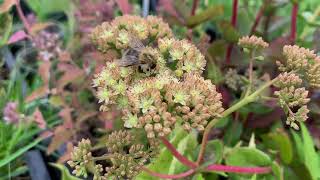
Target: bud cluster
[
  {"x": 81, "y": 158},
  {"x": 125, "y": 156},
  {"x": 195, "y": 101},
  {"x": 303, "y": 62},
  {"x": 252, "y": 43},
  {"x": 299, "y": 68},
  {"x": 185, "y": 55},
  {"x": 112, "y": 83},
  {"x": 116, "y": 36}
]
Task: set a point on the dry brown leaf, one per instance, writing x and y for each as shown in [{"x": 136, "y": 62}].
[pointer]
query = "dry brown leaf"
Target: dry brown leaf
[
  {"x": 38, "y": 118},
  {"x": 61, "y": 135},
  {"x": 38, "y": 93},
  {"x": 6, "y": 5}
]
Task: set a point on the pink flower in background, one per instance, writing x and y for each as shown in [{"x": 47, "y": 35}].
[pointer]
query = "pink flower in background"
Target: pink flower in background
[{"x": 10, "y": 113}]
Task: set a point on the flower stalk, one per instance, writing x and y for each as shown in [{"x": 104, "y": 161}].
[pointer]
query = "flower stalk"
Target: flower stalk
[{"x": 176, "y": 154}]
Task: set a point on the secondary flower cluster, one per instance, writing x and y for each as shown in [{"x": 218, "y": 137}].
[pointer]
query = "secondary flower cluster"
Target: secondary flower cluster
[
  {"x": 299, "y": 68},
  {"x": 124, "y": 156}
]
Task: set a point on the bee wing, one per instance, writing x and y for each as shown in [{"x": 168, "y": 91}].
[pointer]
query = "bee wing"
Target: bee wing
[
  {"x": 136, "y": 44},
  {"x": 129, "y": 58}
]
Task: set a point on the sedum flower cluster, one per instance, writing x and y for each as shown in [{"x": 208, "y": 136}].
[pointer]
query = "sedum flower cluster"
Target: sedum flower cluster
[
  {"x": 299, "y": 70},
  {"x": 124, "y": 157},
  {"x": 155, "y": 80}
]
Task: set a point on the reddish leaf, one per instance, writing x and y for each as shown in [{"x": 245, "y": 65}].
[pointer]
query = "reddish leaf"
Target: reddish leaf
[
  {"x": 38, "y": 93},
  {"x": 6, "y": 5},
  {"x": 61, "y": 135},
  {"x": 44, "y": 71},
  {"x": 38, "y": 118},
  {"x": 71, "y": 73},
  {"x": 167, "y": 5},
  {"x": 67, "y": 118},
  {"x": 17, "y": 36},
  {"x": 124, "y": 6},
  {"x": 65, "y": 56}
]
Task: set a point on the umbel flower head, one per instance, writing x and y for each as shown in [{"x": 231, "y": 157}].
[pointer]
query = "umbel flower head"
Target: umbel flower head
[{"x": 299, "y": 68}]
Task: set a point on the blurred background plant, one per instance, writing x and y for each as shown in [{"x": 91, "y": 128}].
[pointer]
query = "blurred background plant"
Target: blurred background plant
[{"x": 47, "y": 63}]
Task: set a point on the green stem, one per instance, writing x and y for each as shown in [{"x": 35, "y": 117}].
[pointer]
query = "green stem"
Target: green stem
[
  {"x": 238, "y": 105},
  {"x": 249, "y": 89}
]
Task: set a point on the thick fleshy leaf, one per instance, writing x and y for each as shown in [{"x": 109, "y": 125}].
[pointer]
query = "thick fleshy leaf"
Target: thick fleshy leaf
[
  {"x": 280, "y": 142},
  {"x": 245, "y": 156}
]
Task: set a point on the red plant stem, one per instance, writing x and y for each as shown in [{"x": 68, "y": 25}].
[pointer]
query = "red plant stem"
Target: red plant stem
[
  {"x": 168, "y": 176},
  {"x": 213, "y": 167},
  {"x": 234, "y": 13},
  {"x": 257, "y": 20},
  {"x": 194, "y": 7},
  {"x": 233, "y": 23},
  {"x": 294, "y": 15},
  {"x": 176, "y": 154},
  {"x": 238, "y": 169},
  {"x": 228, "y": 53},
  {"x": 23, "y": 18}
]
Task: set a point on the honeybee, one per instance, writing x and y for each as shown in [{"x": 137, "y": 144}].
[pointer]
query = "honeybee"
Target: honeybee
[{"x": 137, "y": 55}]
